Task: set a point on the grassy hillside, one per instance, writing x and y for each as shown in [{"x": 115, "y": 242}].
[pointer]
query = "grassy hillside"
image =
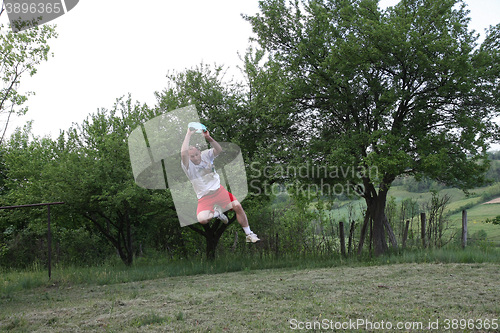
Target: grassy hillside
[{"x": 477, "y": 211}]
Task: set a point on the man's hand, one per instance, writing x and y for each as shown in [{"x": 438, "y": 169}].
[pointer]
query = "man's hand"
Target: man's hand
[
  {"x": 213, "y": 143},
  {"x": 207, "y": 136}
]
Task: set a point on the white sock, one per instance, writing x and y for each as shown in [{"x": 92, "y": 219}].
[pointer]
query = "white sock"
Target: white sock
[
  {"x": 247, "y": 230},
  {"x": 216, "y": 214}
]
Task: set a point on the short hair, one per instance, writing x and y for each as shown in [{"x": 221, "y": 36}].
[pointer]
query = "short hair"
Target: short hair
[{"x": 195, "y": 147}]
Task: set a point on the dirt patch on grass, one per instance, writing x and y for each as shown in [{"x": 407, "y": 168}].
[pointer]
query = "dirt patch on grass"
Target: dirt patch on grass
[
  {"x": 267, "y": 300},
  {"x": 494, "y": 201}
]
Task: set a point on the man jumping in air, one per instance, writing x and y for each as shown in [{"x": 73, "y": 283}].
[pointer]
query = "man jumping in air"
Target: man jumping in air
[{"x": 213, "y": 198}]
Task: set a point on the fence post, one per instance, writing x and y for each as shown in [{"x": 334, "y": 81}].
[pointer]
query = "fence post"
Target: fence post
[
  {"x": 342, "y": 238},
  {"x": 277, "y": 245},
  {"x": 405, "y": 233},
  {"x": 422, "y": 229},
  {"x": 49, "y": 242},
  {"x": 351, "y": 237},
  {"x": 464, "y": 228}
]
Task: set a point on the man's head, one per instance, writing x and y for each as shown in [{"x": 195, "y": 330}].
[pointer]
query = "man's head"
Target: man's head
[{"x": 194, "y": 154}]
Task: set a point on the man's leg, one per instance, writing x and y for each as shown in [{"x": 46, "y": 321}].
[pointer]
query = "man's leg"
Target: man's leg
[
  {"x": 240, "y": 213},
  {"x": 241, "y": 216},
  {"x": 205, "y": 216}
]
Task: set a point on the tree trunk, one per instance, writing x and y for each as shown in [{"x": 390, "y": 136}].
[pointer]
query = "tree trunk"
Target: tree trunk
[
  {"x": 376, "y": 209},
  {"x": 212, "y": 232},
  {"x": 379, "y": 241},
  {"x": 118, "y": 237},
  {"x": 212, "y": 242},
  {"x": 126, "y": 233}
]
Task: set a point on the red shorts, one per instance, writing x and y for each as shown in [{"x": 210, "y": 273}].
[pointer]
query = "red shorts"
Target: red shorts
[{"x": 220, "y": 197}]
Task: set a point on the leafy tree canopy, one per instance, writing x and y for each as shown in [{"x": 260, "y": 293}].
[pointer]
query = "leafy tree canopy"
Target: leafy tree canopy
[
  {"x": 20, "y": 54},
  {"x": 406, "y": 90}
]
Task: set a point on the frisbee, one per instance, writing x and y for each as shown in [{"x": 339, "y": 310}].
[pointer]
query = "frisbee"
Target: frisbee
[{"x": 199, "y": 127}]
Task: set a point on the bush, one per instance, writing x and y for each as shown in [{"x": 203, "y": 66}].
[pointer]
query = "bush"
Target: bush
[
  {"x": 26, "y": 247},
  {"x": 79, "y": 247},
  {"x": 495, "y": 220},
  {"x": 491, "y": 192},
  {"x": 23, "y": 248},
  {"x": 479, "y": 236}
]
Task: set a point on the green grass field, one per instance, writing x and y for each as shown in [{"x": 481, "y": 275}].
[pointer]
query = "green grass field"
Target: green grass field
[
  {"x": 410, "y": 295},
  {"x": 435, "y": 290},
  {"x": 476, "y": 217}
]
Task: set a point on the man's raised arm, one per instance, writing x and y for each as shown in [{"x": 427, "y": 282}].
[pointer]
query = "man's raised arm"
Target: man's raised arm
[
  {"x": 215, "y": 145},
  {"x": 185, "y": 148}
]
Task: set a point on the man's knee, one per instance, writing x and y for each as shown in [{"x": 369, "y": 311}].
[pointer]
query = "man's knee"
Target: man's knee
[
  {"x": 204, "y": 217},
  {"x": 236, "y": 206}
]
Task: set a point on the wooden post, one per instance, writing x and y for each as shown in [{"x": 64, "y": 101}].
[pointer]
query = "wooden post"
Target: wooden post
[
  {"x": 277, "y": 245},
  {"x": 342, "y": 238},
  {"x": 363, "y": 233},
  {"x": 49, "y": 241},
  {"x": 351, "y": 237},
  {"x": 422, "y": 229},
  {"x": 464, "y": 228},
  {"x": 405, "y": 233},
  {"x": 235, "y": 243},
  {"x": 392, "y": 237}
]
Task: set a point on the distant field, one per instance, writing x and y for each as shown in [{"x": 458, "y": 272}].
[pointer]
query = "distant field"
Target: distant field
[
  {"x": 457, "y": 200},
  {"x": 475, "y": 220},
  {"x": 415, "y": 296},
  {"x": 477, "y": 212}
]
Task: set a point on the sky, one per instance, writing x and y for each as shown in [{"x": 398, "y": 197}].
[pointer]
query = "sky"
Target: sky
[{"x": 110, "y": 48}]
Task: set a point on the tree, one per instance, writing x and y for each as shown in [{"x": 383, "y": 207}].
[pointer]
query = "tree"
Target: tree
[
  {"x": 243, "y": 114},
  {"x": 25, "y": 162},
  {"x": 20, "y": 53},
  {"x": 94, "y": 176},
  {"x": 401, "y": 91},
  {"x": 88, "y": 167}
]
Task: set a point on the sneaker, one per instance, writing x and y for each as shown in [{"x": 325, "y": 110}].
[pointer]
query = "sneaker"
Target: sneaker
[
  {"x": 252, "y": 238},
  {"x": 220, "y": 215}
]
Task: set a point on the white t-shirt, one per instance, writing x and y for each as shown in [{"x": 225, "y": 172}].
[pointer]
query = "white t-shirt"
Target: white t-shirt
[{"x": 203, "y": 176}]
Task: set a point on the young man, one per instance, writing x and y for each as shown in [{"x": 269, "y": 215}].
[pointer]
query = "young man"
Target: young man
[{"x": 213, "y": 198}]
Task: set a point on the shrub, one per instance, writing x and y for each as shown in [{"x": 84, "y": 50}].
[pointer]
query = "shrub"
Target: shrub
[
  {"x": 495, "y": 220},
  {"x": 79, "y": 247},
  {"x": 23, "y": 248}
]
